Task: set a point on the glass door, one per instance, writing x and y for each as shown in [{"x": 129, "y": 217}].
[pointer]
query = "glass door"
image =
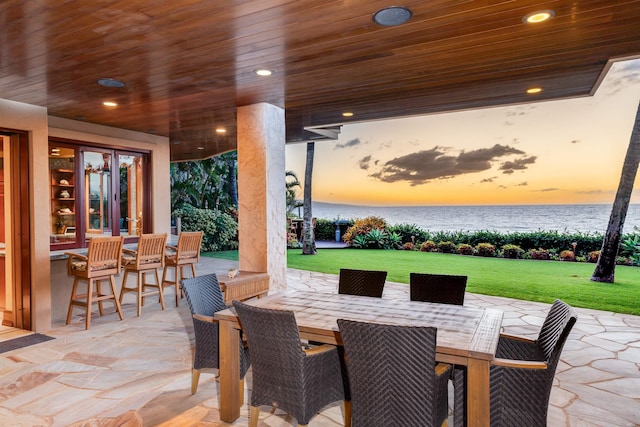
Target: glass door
[
  {"x": 97, "y": 187},
  {"x": 15, "y": 249},
  {"x": 130, "y": 194},
  {"x": 97, "y": 191}
]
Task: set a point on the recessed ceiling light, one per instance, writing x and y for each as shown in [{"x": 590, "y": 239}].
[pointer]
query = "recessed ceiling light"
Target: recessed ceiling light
[
  {"x": 393, "y": 15},
  {"x": 263, "y": 72},
  {"x": 538, "y": 16},
  {"x": 534, "y": 90},
  {"x": 109, "y": 82},
  {"x": 200, "y": 148},
  {"x": 221, "y": 130},
  {"x": 55, "y": 150},
  {"x": 347, "y": 114},
  {"x": 110, "y": 104}
]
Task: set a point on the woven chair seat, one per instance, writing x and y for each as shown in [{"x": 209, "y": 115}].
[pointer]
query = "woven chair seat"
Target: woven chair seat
[
  {"x": 393, "y": 375},
  {"x": 368, "y": 283},
  {"x": 204, "y": 298},
  {"x": 519, "y": 395},
  {"x": 284, "y": 375},
  {"x": 437, "y": 288}
]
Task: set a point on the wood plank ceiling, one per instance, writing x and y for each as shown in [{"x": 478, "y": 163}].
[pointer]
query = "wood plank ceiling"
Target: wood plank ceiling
[{"x": 188, "y": 64}]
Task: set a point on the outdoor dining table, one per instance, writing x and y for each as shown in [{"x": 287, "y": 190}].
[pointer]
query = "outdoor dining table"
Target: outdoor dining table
[{"x": 466, "y": 336}]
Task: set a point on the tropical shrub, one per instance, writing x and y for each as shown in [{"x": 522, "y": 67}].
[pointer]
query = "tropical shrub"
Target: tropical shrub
[
  {"x": 567, "y": 255},
  {"x": 394, "y": 241},
  {"x": 486, "y": 249},
  {"x": 292, "y": 241},
  {"x": 220, "y": 229},
  {"x": 428, "y": 246},
  {"x": 622, "y": 260},
  {"x": 512, "y": 251},
  {"x": 377, "y": 238},
  {"x": 360, "y": 241},
  {"x": 540, "y": 254},
  {"x": 409, "y": 232},
  {"x": 447, "y": 247},
  {"x": 363, "y": 227},
  {"x": 593, "y": 256},
  {"x": 325, "y": 229},
  {"x": 630, "y": 247},
  {"x": 465, "y": 249}
]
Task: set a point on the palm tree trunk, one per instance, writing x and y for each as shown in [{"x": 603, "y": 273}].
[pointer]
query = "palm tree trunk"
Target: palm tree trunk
[
  {"x": 233, "y": 182},
  {"x": 308, "y": 239},
  {"x": 605, "y": 269}
]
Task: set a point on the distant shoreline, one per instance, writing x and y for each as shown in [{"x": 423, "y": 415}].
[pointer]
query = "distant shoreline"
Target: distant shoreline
[{"x": 501, "y": 218}]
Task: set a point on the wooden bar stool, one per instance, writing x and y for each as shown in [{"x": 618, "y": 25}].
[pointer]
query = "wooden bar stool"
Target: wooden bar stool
[
  {"x": 102, "y": 262},
  {"x": 147, "y": 259},
  {"x": 186, "y": 253}
]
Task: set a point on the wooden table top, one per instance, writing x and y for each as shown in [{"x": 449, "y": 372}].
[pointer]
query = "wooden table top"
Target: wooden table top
[{"x": 462, "y": 331}]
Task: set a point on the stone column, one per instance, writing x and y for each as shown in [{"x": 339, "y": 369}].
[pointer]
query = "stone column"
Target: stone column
[{"x": 261, "y": 192}]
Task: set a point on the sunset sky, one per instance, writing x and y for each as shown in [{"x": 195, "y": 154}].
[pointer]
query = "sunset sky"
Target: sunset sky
[{"x": 554, "y": 152}]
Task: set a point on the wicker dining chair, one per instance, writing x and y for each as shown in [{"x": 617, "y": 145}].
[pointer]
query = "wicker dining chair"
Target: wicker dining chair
[
  {"x": 185, "y": 253},
  {"x": 393, "y": 375},
  {"x": 146, "y": 259},
  {"x": 204, "y": 298},
  {"x": 102, "y": 262},
  {"x": 298, "y": 381},
  {"x": 368, "y": 283},
  {"x": 439, "y": 288},
  {"x": 522, "y": 372},
  {"x": 444, "y": 289}
]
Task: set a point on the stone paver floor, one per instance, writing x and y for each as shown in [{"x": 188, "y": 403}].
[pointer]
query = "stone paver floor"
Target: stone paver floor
[{"x": 136, "y": 372}]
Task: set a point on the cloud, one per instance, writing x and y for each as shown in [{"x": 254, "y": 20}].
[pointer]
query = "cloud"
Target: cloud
[
  {"x": 575, "y": 141},
  {"x": 423, "y": 166},
  {"x": 624, "y": 77},
  {"x": 365, "y": 162},
  {"x": 488, "y": 179},
  {"x": 522, "y": 184},
  {"x": 518, "y": 164},
  {"x": 546, "y": 190},
  {"x": 351, "y": 143},
  {"x": 596, "y": 192}
]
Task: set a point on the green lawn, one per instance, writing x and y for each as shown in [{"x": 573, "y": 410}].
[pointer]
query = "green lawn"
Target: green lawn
[{"x": 541, "y": 281}]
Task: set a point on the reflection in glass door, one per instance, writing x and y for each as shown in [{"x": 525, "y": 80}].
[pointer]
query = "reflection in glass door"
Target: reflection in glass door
[
  {"x": 113, "y": 201},
  {"x": 97, "y": 185},
  {"x": 131, "y": 206}
]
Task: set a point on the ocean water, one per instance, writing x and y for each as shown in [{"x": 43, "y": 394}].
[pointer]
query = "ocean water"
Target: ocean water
[{"x": 502, "y": 218}]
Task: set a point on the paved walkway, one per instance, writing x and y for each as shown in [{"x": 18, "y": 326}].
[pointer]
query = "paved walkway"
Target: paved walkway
[{"x": 136, "y": 372}]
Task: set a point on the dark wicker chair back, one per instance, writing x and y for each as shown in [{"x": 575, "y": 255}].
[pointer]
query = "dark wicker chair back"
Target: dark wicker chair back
[
  {"x": 204, "y": 297},
  {"x": 392, "y": 372},
  {"x": 440, "y": 288},
  {"x": 284, "y": 375},
  {"x": 367, "y": 283},
  {"x": 521, "y": 396}
]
